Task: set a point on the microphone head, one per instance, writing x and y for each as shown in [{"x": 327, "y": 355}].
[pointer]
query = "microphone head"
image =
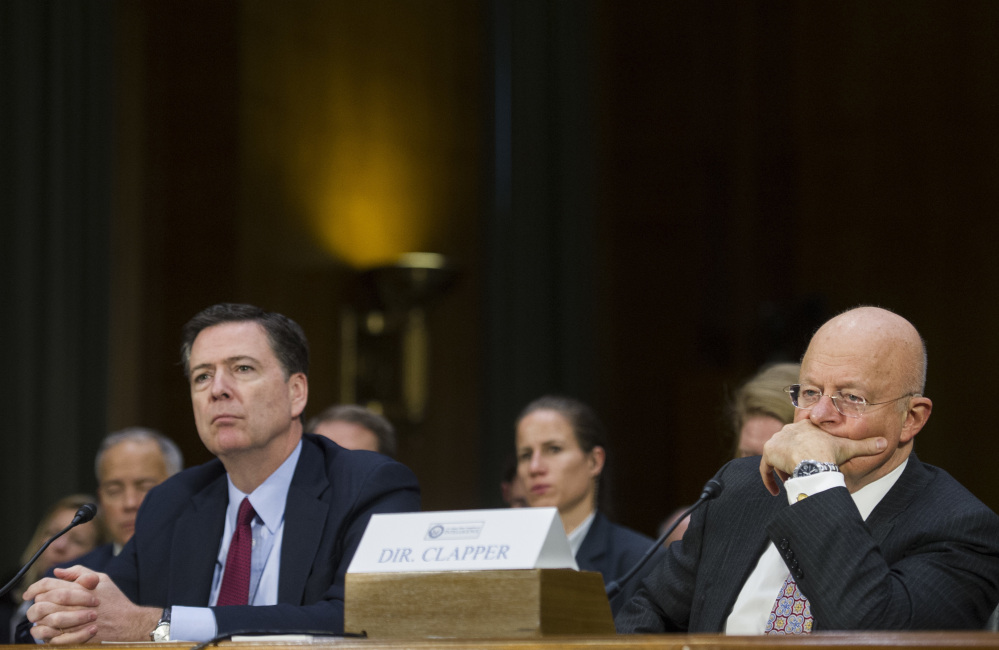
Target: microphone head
[
  {"x": 712, "y": 489},
  {"x": 86, "y": 512}
]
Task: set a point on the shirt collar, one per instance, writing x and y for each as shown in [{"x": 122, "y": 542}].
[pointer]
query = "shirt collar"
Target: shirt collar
[
  {"x": 868, "y": 497},
  {"x": 269, "y": 499},
  {"x": 577, "y": 536}
]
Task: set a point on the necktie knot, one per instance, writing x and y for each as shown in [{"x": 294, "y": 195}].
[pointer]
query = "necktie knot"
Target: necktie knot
[{"x": 246, "y": 513}]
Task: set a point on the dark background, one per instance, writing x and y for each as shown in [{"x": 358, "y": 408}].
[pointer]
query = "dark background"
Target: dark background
[{"x": 644, "y": 201}]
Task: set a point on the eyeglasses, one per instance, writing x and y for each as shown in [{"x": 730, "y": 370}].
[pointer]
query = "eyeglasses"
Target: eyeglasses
[{"x": 849, "y": 404}]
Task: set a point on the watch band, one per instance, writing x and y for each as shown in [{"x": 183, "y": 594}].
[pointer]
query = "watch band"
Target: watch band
[
  {"x": 810, "y": 467},
  {"x": 161, "y": 633}
]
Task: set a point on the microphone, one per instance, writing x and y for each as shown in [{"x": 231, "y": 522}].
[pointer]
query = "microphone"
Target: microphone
[
  {"x": 86, "y": 512},
  {"x": 710, "y": 491}
]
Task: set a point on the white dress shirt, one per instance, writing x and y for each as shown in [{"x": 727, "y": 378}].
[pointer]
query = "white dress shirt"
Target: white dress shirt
[{"x": 578, "y": 534}]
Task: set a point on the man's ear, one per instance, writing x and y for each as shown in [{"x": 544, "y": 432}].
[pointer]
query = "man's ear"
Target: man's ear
[
  {"x": 915, "y": 418},
  {"x": 298, "y": 392}
]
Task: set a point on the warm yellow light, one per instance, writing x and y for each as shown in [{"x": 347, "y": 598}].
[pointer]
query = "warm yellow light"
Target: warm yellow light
[
  {"x": 374, "y": 210},
  {"x": 357, "y": 134}
]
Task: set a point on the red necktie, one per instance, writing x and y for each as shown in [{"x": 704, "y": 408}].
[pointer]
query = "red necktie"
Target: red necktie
[
  {"x": 791, "y": 613},
  {"x": 235, "y": 589}
]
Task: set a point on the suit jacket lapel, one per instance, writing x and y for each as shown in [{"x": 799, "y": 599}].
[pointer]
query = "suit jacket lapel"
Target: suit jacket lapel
[
  {"x": 195, "y": 545},
  {"x": 744, "y": 540},
  {"x": 595, "y": 544},
  {"x": 912, "y": 481},
  {"x": 304, "y": 523},
  {"x": 746, "y": 550}
]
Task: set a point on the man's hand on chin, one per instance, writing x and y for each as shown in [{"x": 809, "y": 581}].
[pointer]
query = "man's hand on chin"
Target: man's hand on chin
[
  {"x": 80, "y": 605},
  {"x": 803, "y": 440}
]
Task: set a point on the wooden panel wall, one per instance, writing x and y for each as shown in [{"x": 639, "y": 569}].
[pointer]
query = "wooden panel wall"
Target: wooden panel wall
[{"x": 759, "y": 166}]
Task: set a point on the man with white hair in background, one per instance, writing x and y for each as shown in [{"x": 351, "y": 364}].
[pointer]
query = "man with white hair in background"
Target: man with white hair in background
[{"x": 129, "y": 463}]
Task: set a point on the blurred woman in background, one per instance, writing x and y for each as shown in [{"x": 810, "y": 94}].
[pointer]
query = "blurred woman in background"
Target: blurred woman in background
[
  {"x": 760, "y": 407},
  {"x": 561, "y": 450},
  {"x": 80, "y": 540}
]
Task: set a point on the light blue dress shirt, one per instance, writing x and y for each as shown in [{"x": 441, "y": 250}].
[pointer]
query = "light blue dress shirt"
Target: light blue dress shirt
[{"x": 268, "y": 501}]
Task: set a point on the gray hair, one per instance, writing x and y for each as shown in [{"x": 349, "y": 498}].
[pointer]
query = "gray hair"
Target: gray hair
[
  {"x": 172, "y": 457},
  {"x": 361, "y": 416}
]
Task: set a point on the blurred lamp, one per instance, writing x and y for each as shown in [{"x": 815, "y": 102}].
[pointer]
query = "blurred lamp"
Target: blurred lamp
[{"x": 385, "y": 341}]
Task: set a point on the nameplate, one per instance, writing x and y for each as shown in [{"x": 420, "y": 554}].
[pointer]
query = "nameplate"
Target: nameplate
[{"x": 464, "y": 540}]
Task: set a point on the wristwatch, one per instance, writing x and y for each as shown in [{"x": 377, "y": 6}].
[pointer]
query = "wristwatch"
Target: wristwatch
[
  {"x": 161, "y": 633},
  {"x": 809, "y": 467}
]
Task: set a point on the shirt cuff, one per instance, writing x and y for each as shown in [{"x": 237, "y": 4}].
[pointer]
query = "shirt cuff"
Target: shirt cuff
[
  {"x": 799, "y": 488},
  {"x": 192, "y": 623}
]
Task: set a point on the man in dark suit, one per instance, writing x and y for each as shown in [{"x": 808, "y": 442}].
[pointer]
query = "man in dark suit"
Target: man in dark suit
[
  {"x": 258, "y": 539},
  {"x": 847, "y": 530},
  {"x": 129, "y": 463},
  {"x": 353, "y": 426}
]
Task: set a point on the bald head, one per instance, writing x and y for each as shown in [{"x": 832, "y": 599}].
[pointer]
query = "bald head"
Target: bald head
[
  {"x": 878, "y": 356},
  {"x": 889, "y": 342}
]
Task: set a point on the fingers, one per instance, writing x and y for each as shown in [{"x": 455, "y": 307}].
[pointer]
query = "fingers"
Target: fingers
[
  {"x": 79, "y": 574},
  {"x": 45, "y": 586},
  {"x": 64, "y": 637},
  {"x": 59, "y": 616},
  {"x": 68, "y": 621},
  {"x": 769, "y": 480},
  {"x": 771, "y": 475},
  {"x": 852, "y": 448},
  {"x": 64, "y": 622},
  {"x": 70, "y": 573},
  {"x": 68, "y": 595},
  {"x": 89, "y": 580},
  {"x": 42, "y": 586}
]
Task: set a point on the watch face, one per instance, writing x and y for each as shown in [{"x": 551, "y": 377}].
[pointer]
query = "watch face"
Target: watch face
[
  {"x": 806, "y": 468},
  {"x": 162, "y": 632},
  {"x": 809, "y": 467}
]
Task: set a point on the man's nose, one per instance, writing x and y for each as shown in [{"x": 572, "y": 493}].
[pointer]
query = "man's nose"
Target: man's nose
[
  {"x": 133, "y": 498},
  {"x": 825, "y": 410},
  {"x": 221, "y": 386}
]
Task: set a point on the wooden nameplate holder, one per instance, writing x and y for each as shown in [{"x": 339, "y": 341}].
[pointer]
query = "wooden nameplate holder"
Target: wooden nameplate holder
[{"x": 477, "y": 604}]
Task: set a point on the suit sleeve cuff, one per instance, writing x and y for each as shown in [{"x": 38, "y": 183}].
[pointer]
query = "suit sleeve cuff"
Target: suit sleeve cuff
[
  {"x": 192, "y": 624},
  {"x": 799, "y": 488}
]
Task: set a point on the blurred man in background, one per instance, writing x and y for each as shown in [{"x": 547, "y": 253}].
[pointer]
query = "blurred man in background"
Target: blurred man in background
[{"x": 355, "y": 427}]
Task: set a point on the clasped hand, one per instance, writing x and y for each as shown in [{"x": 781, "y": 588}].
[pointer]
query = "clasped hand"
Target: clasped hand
[
  {"x": 803, "y": 440},
  {"x": 80, "y": 606}
]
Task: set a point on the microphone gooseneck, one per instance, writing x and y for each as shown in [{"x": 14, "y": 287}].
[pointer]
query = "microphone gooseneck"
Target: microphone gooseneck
[
  {"x": 85, "y": 513},
  {"x": 711, "y": 490}
]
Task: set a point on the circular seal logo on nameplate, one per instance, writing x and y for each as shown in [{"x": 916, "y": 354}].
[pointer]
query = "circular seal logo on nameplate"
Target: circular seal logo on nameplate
[{"x": 435, "y": 531}]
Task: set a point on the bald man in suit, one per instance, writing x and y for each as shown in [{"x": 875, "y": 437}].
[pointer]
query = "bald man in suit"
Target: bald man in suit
[{"x": 838, "y": 526}]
